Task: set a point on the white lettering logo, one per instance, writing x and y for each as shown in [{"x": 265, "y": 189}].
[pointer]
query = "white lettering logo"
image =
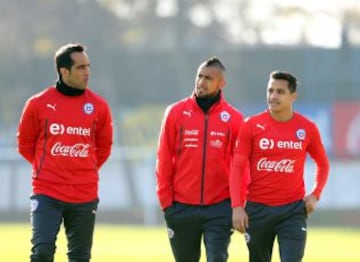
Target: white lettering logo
[
  {"x": 193, "y": 132},
  {"x": 216, "y": 143},
  {"x": 60, "y": 129},
  {"x": 281, "y": 166},
  {"x": 266, "y": 143},
  {"x": 191, "y": 139},
  {"x": 56, "y": 129},
  {"x": 76, "y": 150},
  {"x": 191, "y": 145},
  {"x": 215, "y": 133}
]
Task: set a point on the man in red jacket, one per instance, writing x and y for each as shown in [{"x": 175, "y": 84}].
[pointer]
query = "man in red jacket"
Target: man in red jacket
[
  {"x": 65, "y": 132},
  {"x": 195, "y": 148},
  {"x": 275, "y": 143}
]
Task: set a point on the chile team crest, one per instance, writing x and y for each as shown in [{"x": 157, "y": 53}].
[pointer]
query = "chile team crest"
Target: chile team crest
[
  {"x": 301, "y": 134},
  {"x": 88, "y": 108},
  {"x": 224, "y": 116}
]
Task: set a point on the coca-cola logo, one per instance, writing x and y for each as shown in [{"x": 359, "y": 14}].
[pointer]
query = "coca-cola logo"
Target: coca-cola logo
[
  {"x": 193, "y": 132},
  {"x": 283, "y": 165},
  {"x": 76, "y": 150}
]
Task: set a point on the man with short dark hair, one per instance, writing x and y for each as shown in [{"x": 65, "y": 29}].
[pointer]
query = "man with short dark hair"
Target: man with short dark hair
[
  {"x": 195, "y": 147},
  {"x": 275, "y": 143},
  {"x": 65, "y": 132}
]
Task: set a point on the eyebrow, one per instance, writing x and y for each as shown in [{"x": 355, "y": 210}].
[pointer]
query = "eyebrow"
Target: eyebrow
[
  {"x": 206, "y": 76},
  {"x": 280, "y": 89}
]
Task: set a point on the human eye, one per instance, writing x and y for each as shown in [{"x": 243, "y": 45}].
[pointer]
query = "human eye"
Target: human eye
[{"x": 209, "y": 78}]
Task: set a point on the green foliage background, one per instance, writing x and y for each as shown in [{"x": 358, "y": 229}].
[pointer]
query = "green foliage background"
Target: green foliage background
[{"x": 141, "y": 126}]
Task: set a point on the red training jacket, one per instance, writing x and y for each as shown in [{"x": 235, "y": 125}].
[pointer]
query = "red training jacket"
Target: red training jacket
[
  {"x": 194, "y": 152},
  {"x": 66, "y": 139}
]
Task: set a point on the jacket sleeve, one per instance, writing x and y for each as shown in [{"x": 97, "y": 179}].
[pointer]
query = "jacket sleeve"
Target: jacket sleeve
[
  {"x": 28, "y": 131},
  {"x": 104, "y": 136},
  {"x": 165, "y": 166},
  {"x": 239, "y": 169},
  {"x": 318, "y": 154},
  {"x": 235, "y": 130}
]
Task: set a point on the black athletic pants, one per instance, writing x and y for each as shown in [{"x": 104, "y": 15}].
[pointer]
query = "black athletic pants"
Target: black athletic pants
[
  {"x": 47, "y": 215},
  {"x": 187, "y": 224},
  {"x": 286, "y": 222}
]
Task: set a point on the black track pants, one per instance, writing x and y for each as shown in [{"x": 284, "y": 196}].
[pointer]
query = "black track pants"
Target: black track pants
[
  {"x": 287, "y": 223},
  {"x": 47, "y": 214},
  {"x": 188, "y": 224}
]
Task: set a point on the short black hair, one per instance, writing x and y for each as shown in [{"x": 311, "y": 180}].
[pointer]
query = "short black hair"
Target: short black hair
[
  {"x": 63, "y": 55},
  {"x": 214, "y": 61},
  {"x": 284, "y": 75}
]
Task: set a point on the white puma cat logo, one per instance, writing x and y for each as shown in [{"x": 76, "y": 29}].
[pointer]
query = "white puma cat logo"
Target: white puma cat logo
[
  {"x": 53, "y": 107},
  {"x": 260, "y": 126},
  {"x": 187, "y": 113}
]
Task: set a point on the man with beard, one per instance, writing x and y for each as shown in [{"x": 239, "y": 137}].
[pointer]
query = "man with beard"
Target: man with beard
[{"x": 195, "y": 147}]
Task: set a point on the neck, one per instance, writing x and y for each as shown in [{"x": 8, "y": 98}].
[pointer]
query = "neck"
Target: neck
[
  {"x": 206, "y": 102},
  {"x": 282, "y": 116},
  {"x": 68, "y": 90}
]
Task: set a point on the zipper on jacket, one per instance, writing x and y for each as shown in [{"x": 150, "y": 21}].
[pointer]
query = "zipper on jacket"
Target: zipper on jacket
[
  {"x": 204, "y": 159},
  {"x": 44, "y": 149}
]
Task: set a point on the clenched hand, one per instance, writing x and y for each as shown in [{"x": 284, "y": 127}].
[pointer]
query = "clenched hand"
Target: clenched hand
[{"x": 240, "y": 219}]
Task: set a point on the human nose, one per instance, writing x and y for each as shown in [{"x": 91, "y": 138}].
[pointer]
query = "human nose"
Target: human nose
[
  {"x": 87, "y": 71},
  {"x": 201, "y": 81},
  {"x": 272, "y": 95}
]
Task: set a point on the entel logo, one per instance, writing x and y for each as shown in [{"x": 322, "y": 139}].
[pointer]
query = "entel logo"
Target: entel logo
[
  {"x": 216, "y": 133},
  {"x": 60, "y": 129},
  {"x": 266, "y": 143}
]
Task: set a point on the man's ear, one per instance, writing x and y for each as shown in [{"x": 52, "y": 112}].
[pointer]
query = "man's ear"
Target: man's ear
[
  {"x": 64, "y": 71},
  {"x": 222, "y": 83}
]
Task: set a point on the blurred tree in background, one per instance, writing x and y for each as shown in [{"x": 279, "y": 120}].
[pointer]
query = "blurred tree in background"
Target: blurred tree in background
[{"x": 144, "y": 53}]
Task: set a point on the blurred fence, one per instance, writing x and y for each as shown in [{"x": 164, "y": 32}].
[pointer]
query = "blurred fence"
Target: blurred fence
[{"x": 127, "y": 186}]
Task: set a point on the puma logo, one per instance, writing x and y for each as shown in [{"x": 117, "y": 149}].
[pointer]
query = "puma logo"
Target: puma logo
[
  {"x": 53, "y": 107},
  {"x": 260, "y": 126},
  {"x": 187, "y": 113}
]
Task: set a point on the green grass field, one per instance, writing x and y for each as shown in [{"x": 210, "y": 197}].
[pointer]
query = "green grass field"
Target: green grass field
[{"x": 132, "y": 244}]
